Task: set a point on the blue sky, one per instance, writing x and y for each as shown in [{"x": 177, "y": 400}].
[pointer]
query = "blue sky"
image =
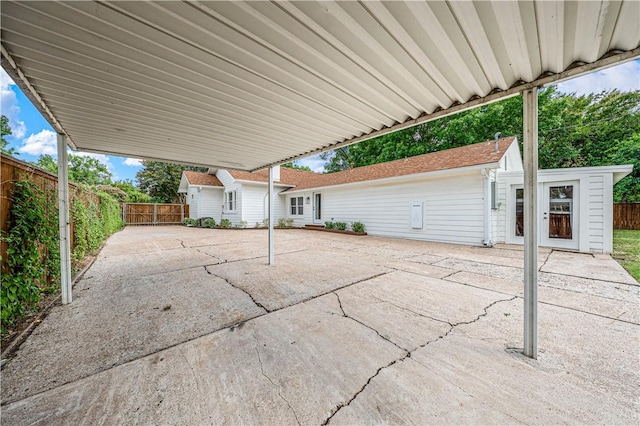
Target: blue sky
[{"x": 33, "y": 136}]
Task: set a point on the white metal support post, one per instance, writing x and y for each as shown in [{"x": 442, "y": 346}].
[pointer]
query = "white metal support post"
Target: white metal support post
[
  {"x": 63, "y": 216},
  {"x": 271, "y": 245},
  {"x": 530, "y": 98}
]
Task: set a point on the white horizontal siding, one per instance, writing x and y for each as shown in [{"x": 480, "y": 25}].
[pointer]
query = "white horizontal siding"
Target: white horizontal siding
[
  {"x": 254, "y": 200},
  {"x": 211, "y": 200},
  {"x": 255, "y": 207},
  {"x": 234, "y": 216},
  {"x": 595, "y": 211},
  {"x": 193, "y": 197},
  {"x": 307, "y": 209},
  {"x": 452, "y": 212}
]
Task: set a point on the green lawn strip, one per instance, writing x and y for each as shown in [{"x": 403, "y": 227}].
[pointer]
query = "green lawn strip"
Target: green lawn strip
[{"x": 626, "y": 250}]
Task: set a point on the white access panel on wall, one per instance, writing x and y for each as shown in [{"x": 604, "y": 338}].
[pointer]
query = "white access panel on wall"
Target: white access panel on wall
[{"x": 416, "y": 214}]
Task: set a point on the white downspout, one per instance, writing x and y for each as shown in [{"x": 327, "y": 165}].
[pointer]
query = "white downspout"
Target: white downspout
[
  {"x": 486, "y": 173},
  {"x": 63, "y": 220}
]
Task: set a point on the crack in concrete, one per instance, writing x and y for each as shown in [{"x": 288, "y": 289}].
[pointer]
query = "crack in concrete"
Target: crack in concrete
[
  {"x": 344, "y": 314},
  {"x": 411, "y": 311},
  {"x": 407, "y": 355},
  {"x": 210, "y": 255},
  {"x": 227, "y": 327},
  {"x": 544, "y": 262},
  {"x": 255, "y": 336},
  {"x": 258, "y": 304}
]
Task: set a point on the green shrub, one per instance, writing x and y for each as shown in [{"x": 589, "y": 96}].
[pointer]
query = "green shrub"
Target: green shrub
[
  {"x": 33, "y": 242},
  {"x": 289, "y": 222},
  {"x": 258, "y": 225},
  {"x": 242, "y": 224},
  {"x": 31, "y": 236},
  {"x": 281, "y": 223},
  {"x": 357, "y": 227},
  {"x": 265, "y": 222},
  {"x": 341, "y": 226},
  {"x": 209, "y": 223},
  {"x": 329, "y": 225},
  {"x": 190, "y": 221},
  {"x": 225, "y": 223}
]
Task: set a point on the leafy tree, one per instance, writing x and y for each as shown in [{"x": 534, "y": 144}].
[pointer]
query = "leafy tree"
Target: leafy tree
[
  {"x": 82, "y": 169},
  {"x": 296, "y": 166},
  {"x": 133, "y": 194},
  {"x": 161, "y": 180},
  {"x": 574, "y": 131},
  {"x": 5, "y": 130}
]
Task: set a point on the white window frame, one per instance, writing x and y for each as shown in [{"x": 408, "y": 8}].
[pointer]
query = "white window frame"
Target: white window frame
[
  {"x": 296, "y": 206},
  {"x": 231, "y": 201}
]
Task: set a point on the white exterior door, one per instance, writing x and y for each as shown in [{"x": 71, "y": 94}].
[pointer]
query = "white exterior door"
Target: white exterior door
[
  {"x": 559, "y": 224},
  {"x": 317, "y": 207}
]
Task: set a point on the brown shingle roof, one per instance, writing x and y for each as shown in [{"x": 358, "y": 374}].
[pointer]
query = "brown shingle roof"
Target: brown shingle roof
[
  {"x": 464, "y": 156},
  {"x": 196, "y": 178},
  {"x": 288, "y": 176}
]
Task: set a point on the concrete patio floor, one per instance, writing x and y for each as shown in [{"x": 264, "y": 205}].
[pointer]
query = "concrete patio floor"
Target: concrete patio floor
[{"x": 176, "y": 325}]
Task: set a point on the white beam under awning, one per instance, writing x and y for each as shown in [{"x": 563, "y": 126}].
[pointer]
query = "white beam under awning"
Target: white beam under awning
[{"x": 247, "y": 85}]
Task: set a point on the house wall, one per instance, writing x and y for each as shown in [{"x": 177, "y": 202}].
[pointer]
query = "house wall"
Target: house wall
[
  {"x": 255, "y": 206},
  {"x": 193, "y": 197},
  {"x": 595, "y": 204},
  {"x": 452, "y": 208},
  {"x": 211, "y": 200},
  {"x": 307, "y": 216},
  {"x": 205, "y": 203},
  {"x": 230, "y": 184}
]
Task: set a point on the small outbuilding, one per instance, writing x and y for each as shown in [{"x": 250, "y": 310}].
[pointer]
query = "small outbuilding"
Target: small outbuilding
[{"x": 467, "y": 195}]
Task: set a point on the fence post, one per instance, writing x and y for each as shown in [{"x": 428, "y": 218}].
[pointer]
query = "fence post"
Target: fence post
[
  {"x": 155, "y": 214},
  {"x": 181, "y": 212}
]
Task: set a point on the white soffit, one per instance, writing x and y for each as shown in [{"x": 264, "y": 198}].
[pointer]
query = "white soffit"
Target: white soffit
[{"x": 248, "y": 84}]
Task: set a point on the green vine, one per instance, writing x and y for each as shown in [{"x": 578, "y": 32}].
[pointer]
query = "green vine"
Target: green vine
[{"x": 33, "y": 253}]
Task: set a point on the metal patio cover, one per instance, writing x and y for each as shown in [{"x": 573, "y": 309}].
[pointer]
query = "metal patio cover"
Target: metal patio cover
[{"x": 248, "y": 84}]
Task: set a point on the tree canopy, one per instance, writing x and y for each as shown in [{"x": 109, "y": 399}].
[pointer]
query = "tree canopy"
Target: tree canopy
[
  {"x": 82, "y": 169},
  {"x": 574, "y": 131},
  {"x": 5, "y": 130},
  {"x": 294, "y": 165},
  {"x": 160, "y": 180}
]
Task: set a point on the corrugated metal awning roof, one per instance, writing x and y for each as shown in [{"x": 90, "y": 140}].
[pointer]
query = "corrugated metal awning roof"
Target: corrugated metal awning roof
[{"x": 247, "y": 84}]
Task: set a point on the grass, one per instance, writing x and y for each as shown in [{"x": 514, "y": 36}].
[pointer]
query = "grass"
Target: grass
[{"x": 626, "y": 250}]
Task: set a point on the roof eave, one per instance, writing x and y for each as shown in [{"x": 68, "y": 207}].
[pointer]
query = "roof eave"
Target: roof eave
[{"x": 414, "y": 176}]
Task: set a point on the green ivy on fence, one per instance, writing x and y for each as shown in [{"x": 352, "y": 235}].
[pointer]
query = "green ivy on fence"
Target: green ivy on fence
[{"x": 33, "y": 253}]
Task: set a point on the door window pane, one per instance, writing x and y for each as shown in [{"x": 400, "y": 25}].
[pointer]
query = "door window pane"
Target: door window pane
[
  {"x": 318, "y": 215},
  {"x": 561, "y": 212},
  {"x": 519, "y": 213}
]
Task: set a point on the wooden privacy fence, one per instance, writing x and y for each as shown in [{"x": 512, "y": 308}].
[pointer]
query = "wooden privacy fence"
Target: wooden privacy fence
[
  {"x": 154, "y": 214},
  {"x": 13, "y": 170},
  {"x": 626, "y": 216}
]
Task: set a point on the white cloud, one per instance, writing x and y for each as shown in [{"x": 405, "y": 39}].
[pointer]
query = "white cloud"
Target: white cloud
[
  {"x": 41, "y": 143},
  {"x": 100, "y": 157},
  {"x": 624, "y": 77},
  {"x": 9, "y": 105},
  {"x": 134, "y": 162},
  {"x": 315, "y": 163}
]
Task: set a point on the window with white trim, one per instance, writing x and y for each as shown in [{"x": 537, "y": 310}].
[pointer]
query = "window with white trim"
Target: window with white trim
[
  {"x": 297, "y": 208},
  {"x": 230, "y": 201}
]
